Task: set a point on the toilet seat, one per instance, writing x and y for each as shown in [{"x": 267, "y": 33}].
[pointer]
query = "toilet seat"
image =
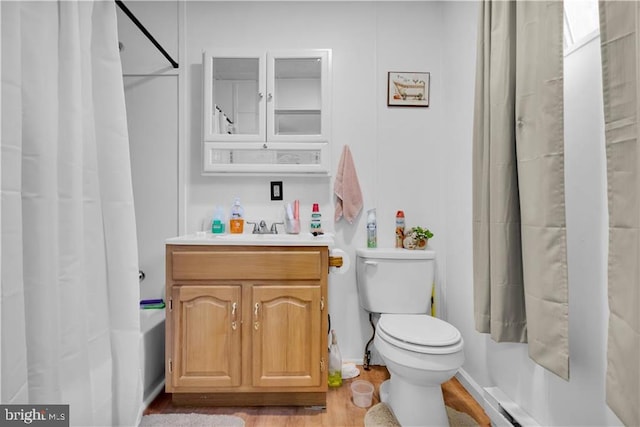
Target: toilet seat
[{"x": 420, "y": 333}]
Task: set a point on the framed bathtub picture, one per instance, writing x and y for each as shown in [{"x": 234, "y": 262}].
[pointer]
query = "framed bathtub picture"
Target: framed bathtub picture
[{"x": 408, "y": 89}]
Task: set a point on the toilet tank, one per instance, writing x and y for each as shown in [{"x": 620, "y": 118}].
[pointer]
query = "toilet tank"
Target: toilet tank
[{"x": 395, "y": 280}]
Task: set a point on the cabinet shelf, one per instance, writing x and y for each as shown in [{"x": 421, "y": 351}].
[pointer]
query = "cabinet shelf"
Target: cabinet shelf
[
  {"x": 250, "y": 158},
  {"x": 296, "y": 111}
]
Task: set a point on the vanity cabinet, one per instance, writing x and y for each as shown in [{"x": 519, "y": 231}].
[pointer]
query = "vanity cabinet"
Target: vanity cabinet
[
  {"x": 247, "y": 325},
  {"x": 266, "y": 111}
]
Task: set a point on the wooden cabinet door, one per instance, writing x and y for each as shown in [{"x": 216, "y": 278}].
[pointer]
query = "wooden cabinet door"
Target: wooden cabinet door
[
  {"x": 207, "y": 336},
  {"x": 286, "y": 336}
]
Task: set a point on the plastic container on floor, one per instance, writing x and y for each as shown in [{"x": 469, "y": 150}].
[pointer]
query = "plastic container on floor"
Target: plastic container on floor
[{"x": 362, "y": 393}]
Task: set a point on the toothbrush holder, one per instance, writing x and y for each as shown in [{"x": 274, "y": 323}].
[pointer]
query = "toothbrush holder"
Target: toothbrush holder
[{"x": 291, "y": 226}]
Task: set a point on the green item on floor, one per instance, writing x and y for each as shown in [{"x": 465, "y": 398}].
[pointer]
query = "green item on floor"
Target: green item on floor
[{"x": 152, "y": 306}]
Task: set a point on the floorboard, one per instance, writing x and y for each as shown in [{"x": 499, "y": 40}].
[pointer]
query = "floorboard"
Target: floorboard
[{"x": 340, "y": 411}]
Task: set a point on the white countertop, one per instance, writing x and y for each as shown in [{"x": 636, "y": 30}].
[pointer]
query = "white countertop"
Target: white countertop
[{"x": 248, "y": 239}]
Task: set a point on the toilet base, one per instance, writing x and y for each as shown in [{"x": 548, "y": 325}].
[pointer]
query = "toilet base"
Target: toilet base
[
  {"x": 384, "y": 391},
  {"x": 414, "y": 405}
]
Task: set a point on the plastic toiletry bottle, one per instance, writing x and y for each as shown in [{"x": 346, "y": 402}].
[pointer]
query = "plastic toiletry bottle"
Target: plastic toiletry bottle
[
  {"x": 236, "y": 222},
  {"x": 372, "y": 232},
  {"x": 217, "y": 224},
  {"x": 399, "y": 229},
  {"x": 335, "y": 362},
  {"x": 316, "y": 220}
]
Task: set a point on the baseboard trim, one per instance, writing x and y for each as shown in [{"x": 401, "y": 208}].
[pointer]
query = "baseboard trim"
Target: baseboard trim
[
  {"x": 480, "y": 395},
  {"x": 499, "y": 408},
  {"x": 156, "y": 391},
  {"x": 507, "y": 408},
  {"x": 146, "y": 402}
]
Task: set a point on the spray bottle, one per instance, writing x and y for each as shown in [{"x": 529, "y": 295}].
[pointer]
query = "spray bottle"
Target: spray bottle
[
  {"x": 372, "y": 229},
  {"x": 399, "y": 229}
]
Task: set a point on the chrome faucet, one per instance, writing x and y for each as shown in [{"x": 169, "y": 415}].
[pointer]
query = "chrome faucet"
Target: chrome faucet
[
  {"x": 274, "y": 229},
  {"x": 261, "y": 227}
]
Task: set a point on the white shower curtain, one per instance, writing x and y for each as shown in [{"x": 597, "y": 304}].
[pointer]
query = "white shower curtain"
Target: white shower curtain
[{"x": 69, "y": 301}]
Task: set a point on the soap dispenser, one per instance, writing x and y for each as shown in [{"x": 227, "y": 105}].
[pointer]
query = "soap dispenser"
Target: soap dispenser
[
  {"x": 217, "y": 224},
  {"x": 236, "y": 222}
]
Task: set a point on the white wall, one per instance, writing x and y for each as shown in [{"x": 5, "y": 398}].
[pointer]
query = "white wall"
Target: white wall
[
  {"x": 396, "y": 151},
  {"x": 151, "y": 94},
  {"x": 582, "y": 400},
  {"x": 459, "y": 59}
]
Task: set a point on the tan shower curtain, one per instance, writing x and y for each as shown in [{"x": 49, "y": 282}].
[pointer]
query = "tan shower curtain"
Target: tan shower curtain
[
  {"x": 619, "y": 34},
  {"x": 520, "y": 269}
]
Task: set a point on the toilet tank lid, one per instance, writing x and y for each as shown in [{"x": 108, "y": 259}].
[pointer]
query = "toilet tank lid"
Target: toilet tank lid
[{"x": 395, "y": 253}]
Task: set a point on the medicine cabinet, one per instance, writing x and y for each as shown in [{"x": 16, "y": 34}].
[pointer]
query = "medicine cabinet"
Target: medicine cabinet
[{"x": 266, "y": 111}]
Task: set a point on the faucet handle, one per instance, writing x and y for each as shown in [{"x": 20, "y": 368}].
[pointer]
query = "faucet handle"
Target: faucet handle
[
  {"x": 256, "y": 230},
  {"x": 274, "y": 229}
]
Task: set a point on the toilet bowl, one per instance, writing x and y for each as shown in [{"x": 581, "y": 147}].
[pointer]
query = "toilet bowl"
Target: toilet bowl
[{"x": 420, "y": 351}]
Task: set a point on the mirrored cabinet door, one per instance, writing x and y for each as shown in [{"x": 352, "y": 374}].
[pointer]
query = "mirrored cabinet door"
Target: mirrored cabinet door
[
  {"x": 234, "y": 92},
  {"x": 298, "y": 96}
]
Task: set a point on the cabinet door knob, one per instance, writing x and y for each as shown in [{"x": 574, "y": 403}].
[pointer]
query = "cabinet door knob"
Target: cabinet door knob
[
  {"x": 260, "y": 95},
  {"x": 269, "y": 97}
]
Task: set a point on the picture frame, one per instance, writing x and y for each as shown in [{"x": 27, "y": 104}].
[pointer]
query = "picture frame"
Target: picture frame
[{"x": 408, "y": 89}]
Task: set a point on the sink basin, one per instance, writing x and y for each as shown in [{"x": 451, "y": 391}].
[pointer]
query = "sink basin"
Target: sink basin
[
  {"x": 302, "y": 239},
  {"x": 263, "y": 237}
]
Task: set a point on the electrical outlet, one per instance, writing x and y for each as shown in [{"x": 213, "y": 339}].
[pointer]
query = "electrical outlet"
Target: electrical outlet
[{"x": 276, "y": 190}]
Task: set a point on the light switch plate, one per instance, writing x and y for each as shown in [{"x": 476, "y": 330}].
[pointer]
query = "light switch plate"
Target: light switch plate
[{"x": 276, "y": 190}]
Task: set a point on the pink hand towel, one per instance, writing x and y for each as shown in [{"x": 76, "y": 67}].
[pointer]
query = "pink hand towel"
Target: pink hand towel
[{"x": 347, "y": 188}]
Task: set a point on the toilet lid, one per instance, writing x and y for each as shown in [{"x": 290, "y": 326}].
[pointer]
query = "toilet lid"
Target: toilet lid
[{"x": 419, "y": 329}]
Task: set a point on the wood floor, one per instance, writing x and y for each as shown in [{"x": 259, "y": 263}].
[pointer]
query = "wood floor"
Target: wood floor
[{"x": 340, "y": 411}]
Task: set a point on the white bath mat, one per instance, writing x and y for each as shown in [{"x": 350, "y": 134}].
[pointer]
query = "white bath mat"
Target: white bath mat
[
  {"x": 191, "y": 420},
  {"x": 380, "y": 415}
]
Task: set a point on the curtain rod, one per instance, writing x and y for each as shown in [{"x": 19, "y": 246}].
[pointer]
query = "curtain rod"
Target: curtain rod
[{"x": 133, "y": 18}]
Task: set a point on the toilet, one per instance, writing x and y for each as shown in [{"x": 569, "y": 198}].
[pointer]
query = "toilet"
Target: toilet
[{"x": 421, "y": 352}]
